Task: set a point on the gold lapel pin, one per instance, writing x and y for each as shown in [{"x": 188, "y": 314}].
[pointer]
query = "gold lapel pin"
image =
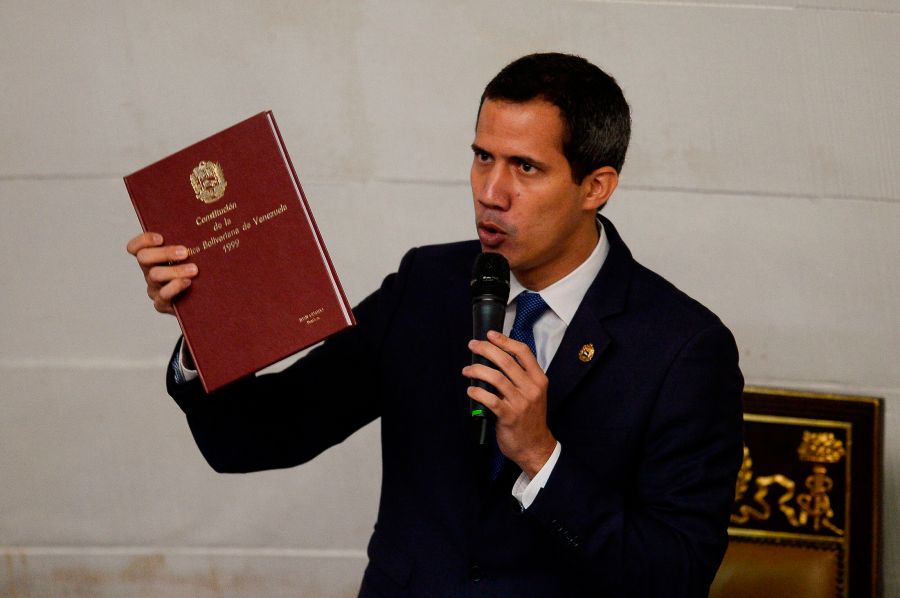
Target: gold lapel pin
[{"x": 587, "y": 353}]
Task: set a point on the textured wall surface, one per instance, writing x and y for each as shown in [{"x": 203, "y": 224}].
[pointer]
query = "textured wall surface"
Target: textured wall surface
[{"x": 762, "y": 179}]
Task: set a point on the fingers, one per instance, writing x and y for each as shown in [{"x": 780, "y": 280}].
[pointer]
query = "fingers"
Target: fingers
[
  {"x": 505, "y": 387},
  {"x": 517, "y": 374},
  {"x": 162, "y": 297},
  {"x": 143, "y": 240},
  {"x": 164, "y": 274},
  {"x": 489, "y": 400},
  {"x": 512, "y": 357},
  {"x": 148, "y": 249},
  {"x": 166, "y": 278},
  {"x": 517, "y": 349},
  {"x": 164, "y": 283},
  {"x": 148, "y": 257}
]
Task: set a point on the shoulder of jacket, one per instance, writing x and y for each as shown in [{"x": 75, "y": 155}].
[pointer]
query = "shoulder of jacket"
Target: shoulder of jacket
[{"x": 652, "y": 292}]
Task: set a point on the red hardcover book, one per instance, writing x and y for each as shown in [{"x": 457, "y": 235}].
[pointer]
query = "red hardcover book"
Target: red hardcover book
[{"x": 266, "y": 287}]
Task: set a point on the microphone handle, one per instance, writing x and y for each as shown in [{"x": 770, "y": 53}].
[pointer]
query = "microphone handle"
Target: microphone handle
[{"x": 487, "y": 314}]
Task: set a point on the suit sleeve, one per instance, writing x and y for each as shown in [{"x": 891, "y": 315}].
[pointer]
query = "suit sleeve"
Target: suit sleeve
[
  {"x": 284, "y": 419},
  {"x": 665, "y": 536}
]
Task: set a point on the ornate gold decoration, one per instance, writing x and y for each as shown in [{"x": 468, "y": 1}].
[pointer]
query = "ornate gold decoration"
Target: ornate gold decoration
[
  {"x": 763, "y": 484},
  {"x": 744, "y": 476},
  {"x": 818, "y": 448},
  {"x": 587, "y": 353},
  {"x": 208, "y": 182}
]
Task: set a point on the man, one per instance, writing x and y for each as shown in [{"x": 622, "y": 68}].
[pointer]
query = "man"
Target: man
[{"x": 618, "y": 407}]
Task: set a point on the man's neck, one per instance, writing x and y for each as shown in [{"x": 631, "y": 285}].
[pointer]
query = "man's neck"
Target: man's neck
[
  {"x": 538, "y": 279},
  {"x": 585, "y": 272}
]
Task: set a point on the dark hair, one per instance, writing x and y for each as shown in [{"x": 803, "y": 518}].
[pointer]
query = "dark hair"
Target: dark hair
[{"x": 596, "y": 118}]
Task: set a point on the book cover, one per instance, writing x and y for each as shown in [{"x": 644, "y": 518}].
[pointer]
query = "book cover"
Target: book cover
[{"x": 266, "y": 287}]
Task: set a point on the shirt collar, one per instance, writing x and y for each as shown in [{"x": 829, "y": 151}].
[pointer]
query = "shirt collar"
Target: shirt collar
[{"x": 565, "y": 295}]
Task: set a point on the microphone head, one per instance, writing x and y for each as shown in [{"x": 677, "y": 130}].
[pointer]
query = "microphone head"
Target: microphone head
[{"x": 490, "y": 277}]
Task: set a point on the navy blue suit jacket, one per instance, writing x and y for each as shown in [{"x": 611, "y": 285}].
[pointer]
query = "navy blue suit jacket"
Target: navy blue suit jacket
[{"x": 639, "y": 500}]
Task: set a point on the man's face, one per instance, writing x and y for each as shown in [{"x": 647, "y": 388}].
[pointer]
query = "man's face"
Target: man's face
[{"x": 527, "y": 207}]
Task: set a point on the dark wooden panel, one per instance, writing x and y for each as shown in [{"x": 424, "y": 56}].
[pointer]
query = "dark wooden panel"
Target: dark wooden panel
[{"x": 812, "y": 476}]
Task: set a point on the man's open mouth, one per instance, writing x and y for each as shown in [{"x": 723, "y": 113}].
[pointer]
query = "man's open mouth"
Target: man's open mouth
[{"x": 490, "y": 234}]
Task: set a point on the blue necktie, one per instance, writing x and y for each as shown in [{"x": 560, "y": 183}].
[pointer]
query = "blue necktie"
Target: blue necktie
[{"x": 529, "y": 308}]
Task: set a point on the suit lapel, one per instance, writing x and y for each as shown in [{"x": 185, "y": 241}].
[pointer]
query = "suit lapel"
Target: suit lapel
[
  {"x": 567, "y": 369},
  {"x": 605, "y": 298}
]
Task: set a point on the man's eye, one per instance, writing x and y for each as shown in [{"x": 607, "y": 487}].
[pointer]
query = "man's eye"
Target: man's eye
[
  {"x": 526, "y": 167},
  {"x": 482, "y": 156}
]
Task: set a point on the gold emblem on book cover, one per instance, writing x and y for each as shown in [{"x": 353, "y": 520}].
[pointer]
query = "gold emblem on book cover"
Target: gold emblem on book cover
[{"x": 208, "y": 182}]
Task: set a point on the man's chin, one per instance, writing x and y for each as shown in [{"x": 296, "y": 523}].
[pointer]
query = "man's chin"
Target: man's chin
[{"x": 494, "y": 249}]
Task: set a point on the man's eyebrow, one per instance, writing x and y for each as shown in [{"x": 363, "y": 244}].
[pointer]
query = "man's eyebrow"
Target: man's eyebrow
[{"x": 479, "y": 150}]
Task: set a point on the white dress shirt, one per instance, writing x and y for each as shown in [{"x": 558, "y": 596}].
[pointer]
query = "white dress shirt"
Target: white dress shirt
[{"x": 563, "y": 298}]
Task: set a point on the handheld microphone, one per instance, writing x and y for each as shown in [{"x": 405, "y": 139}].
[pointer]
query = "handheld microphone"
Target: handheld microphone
[{"x": 490, "y": 292}]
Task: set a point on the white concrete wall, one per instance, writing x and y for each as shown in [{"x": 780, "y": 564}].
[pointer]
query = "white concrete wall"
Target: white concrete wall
[{"x": 763, "y": 179}]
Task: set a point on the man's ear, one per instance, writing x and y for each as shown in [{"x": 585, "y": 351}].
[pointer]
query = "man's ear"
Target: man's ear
[{"x": 599, "y": 186}]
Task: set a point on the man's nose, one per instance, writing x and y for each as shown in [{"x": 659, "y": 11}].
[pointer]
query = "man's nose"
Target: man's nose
[{"x": 496, "y": 188}]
